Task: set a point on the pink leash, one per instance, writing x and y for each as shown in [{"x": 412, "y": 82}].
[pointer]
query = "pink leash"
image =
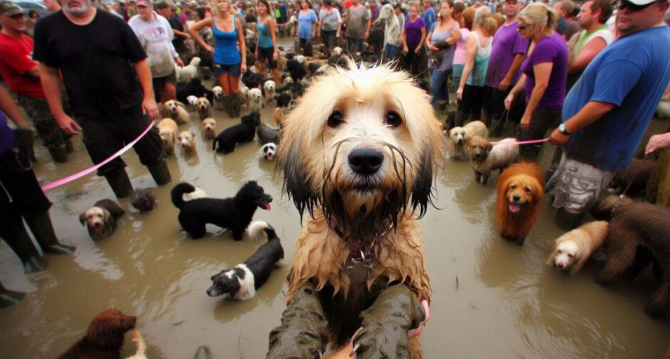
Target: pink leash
[
  {"x": 83, "y": 173},
  {"x": 529, "y": 142}
]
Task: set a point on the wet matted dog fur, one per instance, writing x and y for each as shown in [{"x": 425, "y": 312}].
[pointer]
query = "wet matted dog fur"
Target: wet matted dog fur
[
  {"x": 361, "y": 162},
  {"x": 104, "y": 338}
]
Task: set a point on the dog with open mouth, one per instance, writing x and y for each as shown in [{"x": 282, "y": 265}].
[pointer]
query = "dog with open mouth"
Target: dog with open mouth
[
  {"x": 520, "y": 194},
  {"x": 100, "y": 220}
]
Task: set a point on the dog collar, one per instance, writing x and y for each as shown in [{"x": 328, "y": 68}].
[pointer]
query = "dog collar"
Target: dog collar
[{"x": 358, "y": 254}]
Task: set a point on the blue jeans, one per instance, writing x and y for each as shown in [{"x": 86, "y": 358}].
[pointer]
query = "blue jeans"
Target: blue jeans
[
  {"x": 438, "y": 86},
  {"x": 391, "y": 53},
  {"x": 354, "y": 45}
]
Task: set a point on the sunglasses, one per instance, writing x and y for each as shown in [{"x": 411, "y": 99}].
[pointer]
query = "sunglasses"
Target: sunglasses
[
  {"x": 623, "y": 5},
  {"x": 522, "y": 27},
  {"x": 18, "y": 16}
]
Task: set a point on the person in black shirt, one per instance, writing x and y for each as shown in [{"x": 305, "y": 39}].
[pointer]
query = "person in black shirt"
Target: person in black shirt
[
  {"x": 163, "y": 9},
  {"x": 100, "y": 60}
]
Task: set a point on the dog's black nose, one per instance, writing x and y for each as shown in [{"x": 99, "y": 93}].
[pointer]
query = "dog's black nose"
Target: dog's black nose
[
  {"x": 365, "y": 161},
  {"x": 516, "y": 197}
]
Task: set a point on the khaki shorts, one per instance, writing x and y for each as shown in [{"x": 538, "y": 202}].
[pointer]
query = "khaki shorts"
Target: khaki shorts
[{"x": 575, "y": 186}]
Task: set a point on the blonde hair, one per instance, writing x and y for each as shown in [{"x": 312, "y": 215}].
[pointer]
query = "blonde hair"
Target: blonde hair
[
  {"x": 417, "y": 5},
  {"x": 214, "y": 9},
  {"x": 539, "y": 14},
  {"x": 484, "y": 20}
]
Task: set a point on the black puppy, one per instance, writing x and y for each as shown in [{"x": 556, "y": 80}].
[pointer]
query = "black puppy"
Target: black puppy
[
  {"x": 252, "y": 80},
  {"x": 241, "y": 282},
  {"x": 240, "y": 133},
  {"x": 283, "y": 99},
  {"x": 233, "y": 213},
  {"x": 193, "y": 88},
  {"x": 296, "y": 69}
]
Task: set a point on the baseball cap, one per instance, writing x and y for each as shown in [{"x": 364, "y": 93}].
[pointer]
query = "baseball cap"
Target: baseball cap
[
  {"x": 9, "y": 9},
  {"x": 644, "y": 2},
  {"x": 143, "y": 3}
]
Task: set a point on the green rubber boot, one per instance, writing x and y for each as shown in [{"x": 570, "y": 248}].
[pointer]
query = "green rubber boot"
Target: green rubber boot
[
  {"x": 9, "y": 297},
  {"x": 120, "y": 184},
  {"x": 58, "y": 154},
  {"x": 160, "y": 172},
  {"x": 43, "y": 230},
  {"x": 227, "y": 106},
  {"x": 236, "y": 104},
  {"x": 23, "y": 246}
]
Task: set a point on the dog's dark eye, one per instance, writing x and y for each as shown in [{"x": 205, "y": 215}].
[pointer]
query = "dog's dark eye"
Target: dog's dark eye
[
  {"x": 570, "y": 255},
  {"x": 393, "y": 119},
  {"x": 513, "y": 186},
  {"x": 335, "y": 119},
  {"x": 527, "y": 189}
]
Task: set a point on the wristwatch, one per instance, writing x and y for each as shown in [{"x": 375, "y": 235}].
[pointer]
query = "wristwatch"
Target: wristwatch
[{"x": 563, "y": 130}]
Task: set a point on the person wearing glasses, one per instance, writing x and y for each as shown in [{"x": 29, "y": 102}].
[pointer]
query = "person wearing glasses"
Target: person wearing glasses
[
  {"x": 543, "y": 76},
  {"x": 609, "y": 109}
]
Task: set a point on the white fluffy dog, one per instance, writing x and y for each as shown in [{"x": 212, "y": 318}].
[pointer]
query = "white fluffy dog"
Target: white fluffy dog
[
  {"x": 187, "y": 142},
  {"x": 573, "y": 249},
  {"x": 270, "y": 93},
  {"x": 458, "y": 138},
  {"x": 392, "y": 25},
  {"x": 218, "y": 97},
  {"x": 167, "y": 129},
  {"x": 487, "y": 157},
  {"x": 337, "y": 51},
  {"x": 186, "y": 73},
  {"x": 193, "y": 101},
  {"x": 210, "y": 128},
  {"x": 177, "y": 111},
  {"x": 204, "y": 108},
  {"x": 269, "y": 151},
  {"x": 255, "y": 102}
]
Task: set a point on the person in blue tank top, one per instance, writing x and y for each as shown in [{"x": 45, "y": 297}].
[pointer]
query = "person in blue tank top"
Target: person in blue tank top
[
  {"x": 266, "y": 51},
  {"x": 230, "y": 53}
]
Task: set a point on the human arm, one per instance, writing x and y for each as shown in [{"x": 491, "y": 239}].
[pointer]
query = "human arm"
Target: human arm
[
  {"x": 143, "y": 72},
  {"x": 657, "y": 143},
  {"x": 314, "y": 24},
  {"x": 515, "y": 90},
  {"x": 429, "y": 42},
  {"x": 51, "y": 84},
  {"x": 403, "y": 41},
  {"x": 542, "y": 72},
  {"x": 516, "y": 63},
  {"x": 367, "y": 28},
  {"x": 9, "y": 107},
  {"x": 193, "y": 30},
  {"x": 242, "y": 45},
  {"x": 423, "y": 38},
  {"x": 586, "y": 54},
  {"x": 272, "y": 26},
  {"x": 183, "y": 34},
  {"x": 319, "y": 24},
  {"x": 470, "y": 52},
  {"x": 590, "y": 113}
]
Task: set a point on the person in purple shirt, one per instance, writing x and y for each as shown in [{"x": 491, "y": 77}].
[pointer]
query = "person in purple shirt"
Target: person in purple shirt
[
  {"x": 544, "y": 76},
  {"x": 412, "y": 38},
  {"x": 509, "y": 50}
]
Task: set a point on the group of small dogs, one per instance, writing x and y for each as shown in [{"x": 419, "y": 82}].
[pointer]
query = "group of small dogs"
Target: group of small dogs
[{"x": 633, "y": 234}]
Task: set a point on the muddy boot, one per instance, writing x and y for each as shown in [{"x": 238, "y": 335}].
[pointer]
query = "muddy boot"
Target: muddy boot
[
  {"x": 120, "y": 183},
  {"x": 69, "y": 146},
  {"x": 303, "y": 332},
  {"x": 9, "y": 297},
  {"x": 568, "y": 220},
  {"x": 236, "y": 104},
  {"x": 58, "y": 154},
  {"x": 43, "y": 230},
  {"x": 21, "y": 244},
  {"x": 386, "y": 323},
  {"x": 227, "y": 106},
  {"x": 160, "y": 172}
]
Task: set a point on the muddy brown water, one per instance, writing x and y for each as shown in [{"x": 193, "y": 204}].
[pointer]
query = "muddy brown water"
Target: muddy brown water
[{"x": 491, "y": 297}]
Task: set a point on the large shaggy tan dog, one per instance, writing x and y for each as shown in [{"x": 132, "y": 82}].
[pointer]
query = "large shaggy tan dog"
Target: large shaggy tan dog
[
  {"x": 520, "y": 194},
  {"x": 361, "y": 161}
]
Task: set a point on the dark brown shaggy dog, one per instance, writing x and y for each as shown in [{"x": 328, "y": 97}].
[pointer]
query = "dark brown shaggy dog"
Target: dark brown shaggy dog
[
  {"x": 520, "y": 193},
  {"x": 104, "y": 338},
  {"x": 143, "y": 200},
  {"x": 634, "y": 179},
  {"x": 634, "y": 224}
]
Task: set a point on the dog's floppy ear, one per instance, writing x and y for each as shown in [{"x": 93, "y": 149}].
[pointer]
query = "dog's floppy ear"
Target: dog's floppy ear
[
  {"x": 302, "y": 194},
  {"x": 82, "y": 218},
  {"x": 173, "y": 137},
  {"x": 489, "y": 147},
  {"x": 422, "y": 189}
]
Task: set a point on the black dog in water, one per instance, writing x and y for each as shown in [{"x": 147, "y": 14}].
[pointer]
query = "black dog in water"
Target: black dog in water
[
  {"x": 232, "y": 213},
  {"x": 240, "y": 133}
]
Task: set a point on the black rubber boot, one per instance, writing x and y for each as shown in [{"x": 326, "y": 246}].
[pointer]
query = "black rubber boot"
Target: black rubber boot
[
  {"x": 69, "y": 146},
  {"x": 43, "y": 230},
  {"x": 120, "y": 184},
  {"x": 23, "y": 246},
  {"x": 227, "y": 106},
  {"x": 58, "y": 154},
  {"x": 236, "y": 104},
  {"x": 160, "y": 172},
  {"x": 9, "y": 297},
  {"x": 568, "y": 220}
]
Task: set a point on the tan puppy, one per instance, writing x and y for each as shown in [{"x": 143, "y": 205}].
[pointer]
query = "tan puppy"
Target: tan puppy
[
  {"x": 187, "y": 142},
  {"x": 177, "y": 111},
  {"x": 573, "y": 249},
  {"x": 279, "y": 116},
  {"x": 210, "y": 128},
  {"x": 204, "y": 108},
  {"x": 487, "y": 158},
  {"x": 167, "y": 129},
  {"x": 458, "y": 138}
]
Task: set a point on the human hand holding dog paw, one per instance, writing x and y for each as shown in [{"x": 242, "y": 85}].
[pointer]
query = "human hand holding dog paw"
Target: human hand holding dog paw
[{"x": 67, "y": 124}]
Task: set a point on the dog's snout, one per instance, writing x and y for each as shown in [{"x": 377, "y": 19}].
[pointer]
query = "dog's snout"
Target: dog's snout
[
  {"x": 516, "y": 198},
  {"x": 365, "y": 161}
]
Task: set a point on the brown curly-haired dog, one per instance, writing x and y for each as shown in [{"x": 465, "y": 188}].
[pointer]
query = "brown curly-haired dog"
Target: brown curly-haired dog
[
  {"x": 104, "y": 338},
  {"x": 520, "y": 193},
  {"x": 636, "y": 226},
  {"x": 356, "y": 160}
]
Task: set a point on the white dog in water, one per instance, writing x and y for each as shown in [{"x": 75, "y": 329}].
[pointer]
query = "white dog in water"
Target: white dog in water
[
  {"x": 204, "y": 108},
  {"x": 218, "y": 97},
  {"x": 167, "y": 130},
  {"x": 255, "y": 102},
  {"x": 573, "y": 249},
  {"x": 186, "y": 73},
  {"x": 210, "y": 128},
  {"x": 458, "y": 138},
  {"x": 178, "y": 112},
  {"x": 187, "y": 142},
  {"x": 269, "y": 88}
]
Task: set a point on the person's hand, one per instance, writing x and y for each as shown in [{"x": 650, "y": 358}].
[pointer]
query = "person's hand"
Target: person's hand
[
  {"x": 68, "y": 125},
  {"x": 525, "y": 122},
  {"x": 504, "y": 84},
  {"x": 657, "y": 143},
  {"x": 432, "y": 48},
  {"x": 209, "y": 48},
  {"x": 405, "y": 49},
  {"x": 318, "y": 34},
  {"x": 275, "y": 55},
  {"x": 459, "y": 93},
  {"x": 508, "y": 101},
  {"x": 187, "y": 36},
  {"x": 179, "y": 62},
  {"x": 149, "y": 107},
  {"x": 417, "y": 50},
  {"x": 417, "y": 331},
  {"x": 366, "y": 34},
  {"x": 557, "y": 138},
  {"x": 243, "y": 67}
]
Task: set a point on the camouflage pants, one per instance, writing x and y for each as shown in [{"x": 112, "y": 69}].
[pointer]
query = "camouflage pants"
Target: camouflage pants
[{"x": 38, "y": 111}]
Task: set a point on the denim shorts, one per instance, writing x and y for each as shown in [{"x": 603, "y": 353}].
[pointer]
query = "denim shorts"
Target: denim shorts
[{"x": 233, "y": 70}]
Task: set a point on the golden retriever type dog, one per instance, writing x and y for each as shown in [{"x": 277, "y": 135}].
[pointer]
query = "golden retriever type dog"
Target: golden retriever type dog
[
  {"x": 167, "y": 130},
  {"x": 487, "y": 157},
  {"x": 458, "y": 138},
  {"x": 361, "y": 162},
  {"x": 204, "y": 108},
  {"x": 573, "y": 249},
  {"x": 520, "y": 194},
  {"x": 187, "y": 142},
  {"x": 100, "y": 220},
  {"x": 178, "y": 112},
  {"x": 210, "y": 128},
  {"x": 104, "y": 338}
]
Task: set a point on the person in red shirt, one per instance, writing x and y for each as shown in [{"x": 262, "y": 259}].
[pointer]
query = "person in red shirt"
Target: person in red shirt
[{"x": 22, "y": 76}]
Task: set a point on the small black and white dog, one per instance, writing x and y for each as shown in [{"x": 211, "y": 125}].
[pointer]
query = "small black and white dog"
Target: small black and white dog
[
  {"x": 241, "y": 282},
  {"x": 283, "y": 99},
  {"x": 240, "y": 133},
  {"x": 269, "y": 137},
  {"x": 233, "y": 213},
  {"x": 269, "y": 151},
  {"x": 193, "y": 88},
  {"x": 100, "y": 220}
]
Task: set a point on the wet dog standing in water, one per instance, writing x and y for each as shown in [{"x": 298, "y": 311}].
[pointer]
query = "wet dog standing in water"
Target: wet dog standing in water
[{"x": 361, "y": 161}]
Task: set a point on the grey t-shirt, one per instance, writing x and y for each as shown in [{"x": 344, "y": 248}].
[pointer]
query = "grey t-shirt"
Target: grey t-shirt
[
  {"x": 156, "y": 39},
  {"x": 329, "y": 20},
  {"x": 357, "y": 20}
]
